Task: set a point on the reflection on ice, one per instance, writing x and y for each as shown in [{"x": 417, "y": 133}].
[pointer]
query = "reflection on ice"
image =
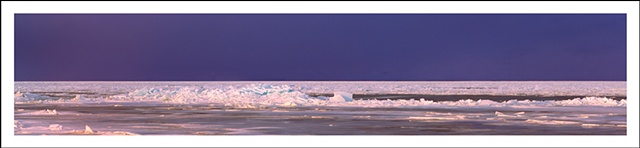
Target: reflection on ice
[{"x": 207, "y": 120}]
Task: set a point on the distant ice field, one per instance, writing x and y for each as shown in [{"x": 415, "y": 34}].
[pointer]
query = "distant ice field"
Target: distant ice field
[
  {"x": 310, "y": 93},
  {"x": 544, "y": 88}
]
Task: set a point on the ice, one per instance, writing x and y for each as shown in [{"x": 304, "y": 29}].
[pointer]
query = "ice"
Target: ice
[
  {"x": 41, "y": 112},
  {"x": 17, "y": 125},
  {"x": 295, "y": 94},
  {"x": 87, "y": 130},
  {"x": 541, "y": 88},
  {"x": 18, "y": 94},
  {"x": 36, "y": 127},
  {"x": 290, "y": 104},
  {"x": 555, "y": 122},
  {"x": 255, "y": 94},
  {"x": 587, "y": 101},
  {"x": 435, "y": 118},
  {"x": 55, "y": 127},
  {"x": 591, "y": 101},
  {"x": 244, "y": 131},
  {"x": 28, "y": 97},
  {"x": 119, "y": 133},
  {"x": 341, "y": 97}
]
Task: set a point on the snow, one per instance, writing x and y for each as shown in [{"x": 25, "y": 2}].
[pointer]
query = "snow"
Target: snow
[
  {"x": 295, "y": 94},
  {"x": 55, "y": 127},
  {"x": 543, "y": 88},
  {"x": 341, "y": 97},
  {"x": 88, "y": 130},
  {"x": 591, "y": 101},
  {"x": 28, "y": 97}
]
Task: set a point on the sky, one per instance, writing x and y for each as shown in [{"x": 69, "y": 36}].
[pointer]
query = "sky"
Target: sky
[{"x": 320, "y": 47}]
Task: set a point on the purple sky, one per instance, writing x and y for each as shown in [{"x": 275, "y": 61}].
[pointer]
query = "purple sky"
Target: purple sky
[{"x": 211, "y": 47}]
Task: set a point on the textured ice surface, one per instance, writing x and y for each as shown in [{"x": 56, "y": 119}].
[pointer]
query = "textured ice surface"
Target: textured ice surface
[
  {"x": 341, "y": 97},
  {"x": 36, "y": 128},
  {"x": 295, "y": 94},
  {"x": 585, "y": 88},
  {"x": 188, "y": 119},
  {"x": 286, "y": 108}
]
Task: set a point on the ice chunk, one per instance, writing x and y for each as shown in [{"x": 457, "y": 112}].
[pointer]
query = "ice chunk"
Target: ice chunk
[
  {"x": 18, "y": 94},
  {"x": 28, "y": 97},
  {"x": 88, "y": 130},
  {"x": 591, "y": 101},
  {"x": 78, "y": 98},
  {"x": 555, "y": 122},
  {"x": 53, "y": 112},
  {"x": 341, "y": 97},
  {"x": 487, "y": 102},
  {"x": 55, "y": 127},
  {"x": 290, "y": 104},
  {"x": 17, "y": 125},
  {"x": 322, "y": 98},
  {"x": 120, "y": 133},
  {"x": 42, "y": 112}
]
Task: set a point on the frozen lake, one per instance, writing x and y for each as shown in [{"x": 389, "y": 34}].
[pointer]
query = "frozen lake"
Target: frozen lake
[{"x": 320, "y": 108}]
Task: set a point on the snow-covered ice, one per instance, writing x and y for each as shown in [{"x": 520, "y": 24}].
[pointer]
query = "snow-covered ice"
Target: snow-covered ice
[
  {"x": 341, "y": 97},
  {"x": 544, "y": 88},
  {"x": 235, "y": 107},
  {"x": 254, "y": 95}
]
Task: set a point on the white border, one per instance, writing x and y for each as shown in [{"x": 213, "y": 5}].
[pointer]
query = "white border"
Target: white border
[{"x": 630, "y": 8}]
